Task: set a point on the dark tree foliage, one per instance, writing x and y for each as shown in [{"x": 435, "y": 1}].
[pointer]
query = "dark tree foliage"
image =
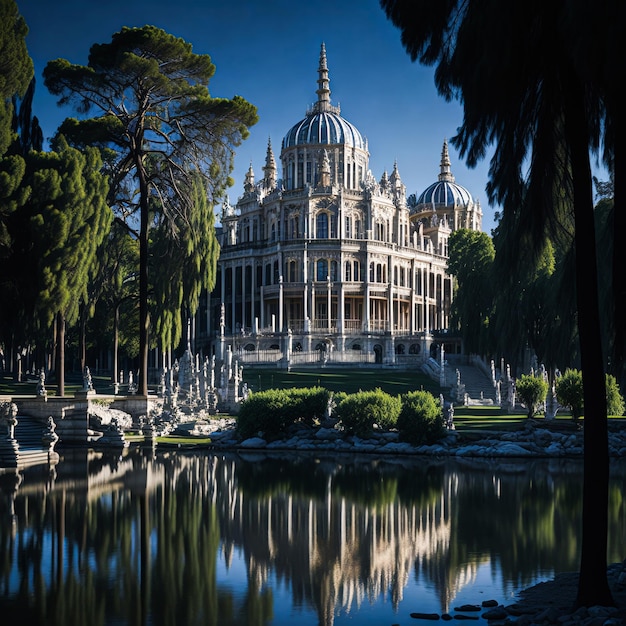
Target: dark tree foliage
[
  {"x": 537, "y": 92},
  {"x": 16, "y": 66}
]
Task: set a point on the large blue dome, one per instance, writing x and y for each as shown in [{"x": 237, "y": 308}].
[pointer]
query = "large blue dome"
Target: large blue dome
[
  {"x": 326, "y": 128},
  {"x": 323, "y": 124}
]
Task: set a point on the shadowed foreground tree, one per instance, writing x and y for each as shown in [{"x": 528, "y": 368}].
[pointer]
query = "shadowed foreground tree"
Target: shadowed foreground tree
[
  {"x": 161, "y": 127},
  {"x": 529, "y": 91}
]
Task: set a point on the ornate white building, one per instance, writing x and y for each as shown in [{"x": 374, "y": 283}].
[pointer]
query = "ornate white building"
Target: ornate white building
[{"x": 329, "y": 264}]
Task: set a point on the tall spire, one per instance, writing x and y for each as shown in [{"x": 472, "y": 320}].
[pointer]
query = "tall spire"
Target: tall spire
[
  {"x": 269, "y": 168},
  {"x": 323, "y": 90},
  {"x": 446, "y": 172}
]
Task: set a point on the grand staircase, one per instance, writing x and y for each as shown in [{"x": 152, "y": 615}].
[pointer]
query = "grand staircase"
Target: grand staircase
[{"x": 478, "y": 385}]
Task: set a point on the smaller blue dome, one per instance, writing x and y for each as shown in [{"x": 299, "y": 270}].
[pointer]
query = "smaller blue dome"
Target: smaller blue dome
[{"x": 445, "y": 192}]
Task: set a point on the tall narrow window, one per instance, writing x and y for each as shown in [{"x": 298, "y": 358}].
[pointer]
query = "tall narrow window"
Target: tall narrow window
[
  {"x": 322, "y": 269},
  {"x": 333, "y": 270},
  {"x": 348, "y": 276},
  {"x": 321, "y": 226}
]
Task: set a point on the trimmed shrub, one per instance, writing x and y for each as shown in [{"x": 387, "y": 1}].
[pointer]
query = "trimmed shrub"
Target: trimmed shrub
[
  {"x": 308, "y": 404},
  {"x": 421, "y": 418},
  {"x": 532, "y": 392},
  {"x": 266, "y": 412},
  {"x": 359, "y": 412},
  {"x": 614, "y": 399},
  {"x": 569, "y": 391}
]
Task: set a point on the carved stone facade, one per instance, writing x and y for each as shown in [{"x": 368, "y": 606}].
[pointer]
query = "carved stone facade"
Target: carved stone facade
[{"x": 329, "y": 264}]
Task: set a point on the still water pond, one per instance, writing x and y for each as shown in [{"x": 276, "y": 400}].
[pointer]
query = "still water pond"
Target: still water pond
[{"x": 224, "y": 539}]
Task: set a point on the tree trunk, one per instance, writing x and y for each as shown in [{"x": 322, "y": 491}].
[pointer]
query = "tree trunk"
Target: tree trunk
[
  {"x": 60, "y": 354},
  {"x": 83, "y": 339},
  {"x": 144, "y": 313},
  {"x": 593, "y": 588},
  {"x": 618, "y": 275},
  {"x": 116, "y": 342}
]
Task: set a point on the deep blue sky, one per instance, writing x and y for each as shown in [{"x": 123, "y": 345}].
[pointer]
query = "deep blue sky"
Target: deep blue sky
[{"x": 267, "y": 51}]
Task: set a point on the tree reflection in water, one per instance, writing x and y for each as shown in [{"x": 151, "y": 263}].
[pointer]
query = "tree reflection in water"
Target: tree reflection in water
[{"x": 227, "y": 539}]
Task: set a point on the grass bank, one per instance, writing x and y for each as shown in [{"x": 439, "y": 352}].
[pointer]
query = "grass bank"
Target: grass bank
[{"x": 349, "y": 380}]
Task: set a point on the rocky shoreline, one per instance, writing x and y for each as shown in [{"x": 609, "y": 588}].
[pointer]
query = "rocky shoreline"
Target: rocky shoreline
[
  {"x": 547, "y": 603},
  {"x": 534, "y": 440}
]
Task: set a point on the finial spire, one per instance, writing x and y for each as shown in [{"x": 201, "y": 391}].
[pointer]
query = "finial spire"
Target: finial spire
[
  {"x": 323, "y": 90},
  {"x": 446, "y": 172},
  {"x": 269, "y": 168},
  {"x": 248, "y": 183}
]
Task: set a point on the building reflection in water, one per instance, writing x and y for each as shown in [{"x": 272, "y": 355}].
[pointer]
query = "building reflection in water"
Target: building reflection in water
[{"x": 145, "y": 538}]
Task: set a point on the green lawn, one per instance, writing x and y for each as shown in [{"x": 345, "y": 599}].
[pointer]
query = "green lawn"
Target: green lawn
[
  {"x": 29, "y": 387},
  {"x": 338, "y": 379},
  {"x": 349, "y": 380}
]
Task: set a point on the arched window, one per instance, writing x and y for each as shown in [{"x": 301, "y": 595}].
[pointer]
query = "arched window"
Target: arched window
[
  {"x": 292, "y": 271},
  {"x": 356, "y": 271},
  {"x": 379, "y": 273},
  {"x": 322, "y": 269},
  {"x": 293, "y": 227},
  {"x": 380, "y": 231},
  {"x": 395, "y": 275},
  {"x": 273, "y": 233},
  {"x": 348, "y": 274},
  {"x": 333, "y": 270},
  {"x": 372, "y": 272},
  {"x": 321, "y": 226}
]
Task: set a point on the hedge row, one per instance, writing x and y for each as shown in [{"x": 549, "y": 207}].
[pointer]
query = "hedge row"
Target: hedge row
[
  {"x": 271, "y": 412},
  {"x": 417, "y": 415}
]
